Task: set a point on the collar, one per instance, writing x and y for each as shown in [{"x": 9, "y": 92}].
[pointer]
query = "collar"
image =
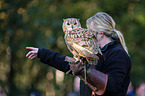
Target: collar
[{"x": 109, "y": 44}]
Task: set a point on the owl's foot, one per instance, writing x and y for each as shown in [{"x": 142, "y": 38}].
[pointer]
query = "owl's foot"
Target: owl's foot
[
  {"x": 69, "y": 59},
  {"x": 77, "y": 58},
  {"x": 93, "y": 61}
]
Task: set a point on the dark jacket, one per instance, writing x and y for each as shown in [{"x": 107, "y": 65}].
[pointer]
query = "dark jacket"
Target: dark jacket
[{"x": 117, "y": 66}]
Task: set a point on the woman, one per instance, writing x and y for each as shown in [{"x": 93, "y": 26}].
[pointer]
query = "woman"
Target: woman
[{"x": 111, "y": 76}]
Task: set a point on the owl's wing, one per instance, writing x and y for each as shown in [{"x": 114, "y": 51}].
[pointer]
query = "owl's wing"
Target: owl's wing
[
  {"x": 73, "y": 51},
  {"x": 83, "y": 42}
]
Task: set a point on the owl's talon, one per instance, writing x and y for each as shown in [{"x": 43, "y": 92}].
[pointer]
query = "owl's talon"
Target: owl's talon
[
  {"x": 68, "y": 71},
  {"x": 77, "y": 61}
]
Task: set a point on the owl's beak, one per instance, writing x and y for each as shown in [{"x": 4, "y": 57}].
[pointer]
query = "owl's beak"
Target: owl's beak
[
  {"x": 72, "y": 26},
  {"x": 69, "y": 29}
]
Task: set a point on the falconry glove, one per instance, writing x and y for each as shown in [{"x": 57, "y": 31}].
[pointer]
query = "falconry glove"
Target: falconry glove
[{"x": 96, "y": 80}]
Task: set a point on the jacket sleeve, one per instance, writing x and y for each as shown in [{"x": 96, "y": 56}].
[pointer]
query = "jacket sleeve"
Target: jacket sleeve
[
  {"x": 53, "y": 59},
  {"x": 117, "y": 69}
]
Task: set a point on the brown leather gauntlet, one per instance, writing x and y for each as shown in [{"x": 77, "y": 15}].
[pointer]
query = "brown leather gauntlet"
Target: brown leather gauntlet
[{"x": 98, "y": 80}]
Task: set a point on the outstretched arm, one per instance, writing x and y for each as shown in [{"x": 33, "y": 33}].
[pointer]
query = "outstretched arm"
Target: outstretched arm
[{"x": 50, "y": 58}]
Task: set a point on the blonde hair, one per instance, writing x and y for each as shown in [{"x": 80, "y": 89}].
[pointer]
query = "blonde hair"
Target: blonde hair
[{"x": 102, "y": 22}]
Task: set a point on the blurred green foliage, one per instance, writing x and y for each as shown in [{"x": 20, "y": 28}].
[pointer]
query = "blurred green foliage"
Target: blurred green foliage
[{"x": 38, "y": 23}]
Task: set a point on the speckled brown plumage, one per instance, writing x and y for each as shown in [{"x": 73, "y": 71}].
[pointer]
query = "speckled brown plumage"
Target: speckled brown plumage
[{"x": 81, "y": 42}]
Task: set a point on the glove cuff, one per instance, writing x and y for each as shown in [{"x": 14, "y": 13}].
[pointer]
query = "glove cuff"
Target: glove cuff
[{"x": 98, "y": 80}]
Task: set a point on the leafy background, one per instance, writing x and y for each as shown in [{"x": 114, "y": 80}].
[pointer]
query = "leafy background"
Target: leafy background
[{"x": 38, "y": 23}]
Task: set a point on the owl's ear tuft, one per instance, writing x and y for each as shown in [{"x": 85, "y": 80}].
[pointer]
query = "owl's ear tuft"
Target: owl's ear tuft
[{"x": 64, "y": 20}]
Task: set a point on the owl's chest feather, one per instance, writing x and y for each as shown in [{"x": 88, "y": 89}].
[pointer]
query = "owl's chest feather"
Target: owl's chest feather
[{"x": 77, "y": 35}]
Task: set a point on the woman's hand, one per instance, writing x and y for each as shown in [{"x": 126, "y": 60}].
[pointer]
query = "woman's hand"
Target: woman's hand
[
  {"x": 33, "y": 53},
  {"x": 77, "y": 68}
]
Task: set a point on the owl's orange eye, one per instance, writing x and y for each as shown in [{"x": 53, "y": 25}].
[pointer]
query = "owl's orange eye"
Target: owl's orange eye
[
  {"x": 68, "y": 24},
  {"x": 75, "y": 23}
]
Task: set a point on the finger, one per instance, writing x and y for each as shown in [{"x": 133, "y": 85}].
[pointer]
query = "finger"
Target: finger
[
  {"x": 33, "y": 57},
  {"x": 31, "y": 48},
  {"x": 30, "y": 52}
]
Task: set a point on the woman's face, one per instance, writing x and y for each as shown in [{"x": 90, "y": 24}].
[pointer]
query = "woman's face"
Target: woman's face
[{"x": 99, "y": 35}]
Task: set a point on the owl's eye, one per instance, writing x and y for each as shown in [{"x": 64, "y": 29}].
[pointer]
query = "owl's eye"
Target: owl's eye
[
  {"x": 68, "y": 24},
  {"x": 75, "y": 23}
]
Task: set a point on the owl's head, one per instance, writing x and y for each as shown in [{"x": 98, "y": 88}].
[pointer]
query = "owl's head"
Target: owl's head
[{"x": 70, "y": 24}]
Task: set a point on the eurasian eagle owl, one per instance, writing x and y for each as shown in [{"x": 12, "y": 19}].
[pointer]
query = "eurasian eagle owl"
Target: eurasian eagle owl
[{"x": 80, "y": 41}]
